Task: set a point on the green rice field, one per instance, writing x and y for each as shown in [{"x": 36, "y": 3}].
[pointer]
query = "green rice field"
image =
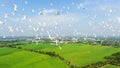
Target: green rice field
[{"x": 77, "y": 54}]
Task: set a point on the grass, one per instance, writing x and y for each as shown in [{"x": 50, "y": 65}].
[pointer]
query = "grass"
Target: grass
[
  {"x": 14, "y": 58},
  {"x": 78, "y": 54}
]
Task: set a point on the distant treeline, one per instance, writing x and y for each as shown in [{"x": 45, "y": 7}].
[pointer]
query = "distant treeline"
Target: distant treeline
[{"x": 114, "y": 43}]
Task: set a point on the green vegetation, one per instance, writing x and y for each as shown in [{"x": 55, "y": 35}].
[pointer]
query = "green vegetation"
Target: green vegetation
[
  {"x": 111, "y": 66},
  {"x": 114, "y": 59},
  {"x": 49, "y": 55},
  {"x": 15, "y": 58},
  {"x": 78, "y": 54}
]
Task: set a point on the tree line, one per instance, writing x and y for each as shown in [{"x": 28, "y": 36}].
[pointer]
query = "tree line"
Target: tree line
[{"x": 114, "y": 59}]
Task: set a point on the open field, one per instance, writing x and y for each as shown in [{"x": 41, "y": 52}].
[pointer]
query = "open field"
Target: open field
[
  {"x": 14, "y": 58},
  {"x": 78, "y": 54}
]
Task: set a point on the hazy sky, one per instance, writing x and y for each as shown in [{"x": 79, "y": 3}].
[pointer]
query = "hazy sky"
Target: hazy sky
[{"x": 60, "y": 17}]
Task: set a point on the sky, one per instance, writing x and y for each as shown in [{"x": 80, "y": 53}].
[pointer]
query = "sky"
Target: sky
[{"x": 59, "y": 18}]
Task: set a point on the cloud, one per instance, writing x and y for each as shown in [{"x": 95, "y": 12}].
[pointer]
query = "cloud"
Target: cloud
[
  {"x": 49, "y": 11},
  {"x": 48, "y": 19},
  {"x": 1, "y": 22},
  {"x": 15, "y": 7},
  {"x": 56, "y": 19},
  {"x": 118, "y": 19}
]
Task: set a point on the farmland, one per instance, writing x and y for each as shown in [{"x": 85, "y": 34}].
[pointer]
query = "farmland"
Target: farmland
[
  {"x": 77, "y": 53},
  {"x": 14, "y": 58}
]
